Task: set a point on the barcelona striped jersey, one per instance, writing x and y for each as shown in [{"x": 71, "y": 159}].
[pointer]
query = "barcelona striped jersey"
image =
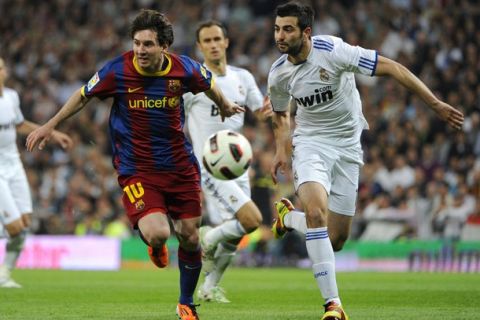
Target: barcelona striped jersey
[{"x": 147, "y": 115}]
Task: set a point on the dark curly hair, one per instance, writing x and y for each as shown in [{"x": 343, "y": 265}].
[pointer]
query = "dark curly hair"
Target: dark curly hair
[{"x": 155, "y": 21}]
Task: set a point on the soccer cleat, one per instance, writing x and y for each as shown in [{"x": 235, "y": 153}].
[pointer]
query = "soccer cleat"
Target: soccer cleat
[
  {"x": 5, "y": 280},
  {"x": 159, "y": 256},
  {"x": 283, "y": 207},
  {"x": 215, "y": 294},
  {"x": 208, "y": 251},
  {"x": 334, "y": 311},
  {"x": 10, "y": 283},
  {"x": 187, "y": 312}
]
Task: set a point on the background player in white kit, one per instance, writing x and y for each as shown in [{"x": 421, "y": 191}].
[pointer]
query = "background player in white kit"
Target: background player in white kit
[
  {"x": 15, "y": 199},
  {"x": 317, "y": 75},
  {"x": 229, "y": 206}
]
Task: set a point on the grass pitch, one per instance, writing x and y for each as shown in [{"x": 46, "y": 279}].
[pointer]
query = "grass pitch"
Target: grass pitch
[{"x": 255, "y": 294}]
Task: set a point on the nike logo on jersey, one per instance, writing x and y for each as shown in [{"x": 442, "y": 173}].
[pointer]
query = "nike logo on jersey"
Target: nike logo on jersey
[
  {"x": 213, "y": 163},
  {"x": 131, "y": 90}
]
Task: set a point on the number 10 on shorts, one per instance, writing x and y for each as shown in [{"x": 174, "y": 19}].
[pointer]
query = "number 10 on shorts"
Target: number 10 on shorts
[{"x": 134, "y": 191}]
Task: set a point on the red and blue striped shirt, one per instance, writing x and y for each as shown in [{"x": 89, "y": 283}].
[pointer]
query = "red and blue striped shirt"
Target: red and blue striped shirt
[{"x": 147, "y": 115}]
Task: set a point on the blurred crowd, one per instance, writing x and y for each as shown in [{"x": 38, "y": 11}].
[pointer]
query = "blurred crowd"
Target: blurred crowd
[{"x": 421, "y": 179}]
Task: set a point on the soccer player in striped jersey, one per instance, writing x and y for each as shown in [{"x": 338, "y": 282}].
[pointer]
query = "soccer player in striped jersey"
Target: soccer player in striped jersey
[
  {"x": 15, "y": 198},
  {"x": 157, "y": 169},
  {"x": 229, "y": 206},
  {"x": 316, "y": 74}
]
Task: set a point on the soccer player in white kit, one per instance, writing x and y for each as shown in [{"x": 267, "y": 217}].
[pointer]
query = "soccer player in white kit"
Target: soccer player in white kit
[
  {"x": 15, "y": 199},
  {"x": 230, "y": 208},
  {"x": 316, "y": 73}
]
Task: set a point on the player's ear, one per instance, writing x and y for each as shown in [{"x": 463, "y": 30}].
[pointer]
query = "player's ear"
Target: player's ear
[
  {"x": 227, "y": 42},
  {"x": 308, "y": 32}
]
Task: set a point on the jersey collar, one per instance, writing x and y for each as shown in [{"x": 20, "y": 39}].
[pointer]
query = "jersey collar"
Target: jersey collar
[{"x": 153, "y": 74}]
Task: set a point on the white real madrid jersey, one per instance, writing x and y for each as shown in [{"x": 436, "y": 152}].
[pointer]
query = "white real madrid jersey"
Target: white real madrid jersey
[
  {"x": 323, "y": 89},
  {"x": 203, "y": 116},
  {"x": 10, "y": 117}
]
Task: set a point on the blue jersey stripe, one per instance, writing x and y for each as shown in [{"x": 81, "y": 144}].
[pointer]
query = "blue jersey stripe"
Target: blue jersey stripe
[
  {"x": 323, "y": 42},
  {"x": 367, "y": 60},
  {"x": 375, "y": 66},
  {"x": 279, "y": 63},
  {"x": 366, "y": 66},
  {"x": 321, "y": 47}
]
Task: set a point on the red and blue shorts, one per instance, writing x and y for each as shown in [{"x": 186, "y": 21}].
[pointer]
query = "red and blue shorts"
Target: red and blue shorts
[{"x": 175, "y": 193}]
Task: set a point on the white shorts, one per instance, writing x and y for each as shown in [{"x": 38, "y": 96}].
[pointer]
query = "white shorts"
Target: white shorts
[
  {"x": 336, "y": 169},
  {"x": 15, "y": 198},
  {"x": 224, "y": 198}
]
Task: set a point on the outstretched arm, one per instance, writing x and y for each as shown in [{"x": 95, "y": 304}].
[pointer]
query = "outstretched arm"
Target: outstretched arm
[
  {"x": 227, "y": 108},
  {"x": 387, "y": 67},
  {"x": 265, "y": 111},
  {"x": 281, "y": 131},
  {"x": 42, "y": 134},
  {"x": 26, "y": 127}
]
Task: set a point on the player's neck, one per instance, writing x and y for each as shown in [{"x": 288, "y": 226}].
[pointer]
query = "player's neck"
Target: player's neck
[
  {"x": 218, "y": 67},
  {"x": 302, "y": 56}
]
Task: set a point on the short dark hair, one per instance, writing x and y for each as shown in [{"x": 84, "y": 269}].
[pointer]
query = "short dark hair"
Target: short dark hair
[
  {"x": 155, "y": 21},
  {"x": 303, "y": 12},
  {"x": 208, "y": 24}
]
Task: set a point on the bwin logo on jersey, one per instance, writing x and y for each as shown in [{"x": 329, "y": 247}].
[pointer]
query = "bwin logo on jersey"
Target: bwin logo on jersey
[{"x": 320, "y": 95}]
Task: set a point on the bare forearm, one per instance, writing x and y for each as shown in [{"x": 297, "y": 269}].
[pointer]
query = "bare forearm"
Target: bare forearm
[
  {"x": 406, "y": 78},
  {"x": 74, "y": 104},
  {"x": 281, "y": 130},
  {"x": 26, "y": 127},
  {"x": 217, "y": 97}
]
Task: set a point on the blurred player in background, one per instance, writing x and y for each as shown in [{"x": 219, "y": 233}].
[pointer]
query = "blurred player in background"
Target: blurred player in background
[
  {"x": 316, "y": 74},
  {"x": 230, "y": 209},
  {"x": 15, "y": 198},
  {"x": 157, "y": 169}
]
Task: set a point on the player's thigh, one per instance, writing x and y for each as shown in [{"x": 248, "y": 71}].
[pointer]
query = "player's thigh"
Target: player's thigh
[
  {"x": 343, "y": 193},
  {"x": 141, "y": 197},
  {"x": 20, "y": 191},
  {"x": 312, "y": 164},
  {"x": 10, "y": 215},
  {"x": 224, "y": 198}
]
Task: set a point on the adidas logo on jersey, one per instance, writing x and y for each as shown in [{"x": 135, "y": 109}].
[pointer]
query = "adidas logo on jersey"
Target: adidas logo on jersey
[{"x": 320, "y": 95}]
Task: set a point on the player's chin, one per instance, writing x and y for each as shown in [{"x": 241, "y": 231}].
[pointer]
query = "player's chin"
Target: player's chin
[{"x": 282, "y": 48}]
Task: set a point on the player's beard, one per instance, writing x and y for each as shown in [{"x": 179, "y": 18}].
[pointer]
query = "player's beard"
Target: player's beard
[{"x": 293, "y": 49}]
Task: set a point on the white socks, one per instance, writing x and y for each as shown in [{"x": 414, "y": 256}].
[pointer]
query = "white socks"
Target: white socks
[
  {"x": 229, "y": 230},
  {"x": 296, "y": 220},
  {"x": 223, "y": 256},
  {"x": 321, "y": 253},
  {"x": 14, "y": 247}
]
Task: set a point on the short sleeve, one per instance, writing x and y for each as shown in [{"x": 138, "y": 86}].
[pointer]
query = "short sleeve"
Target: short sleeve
[
  {"x": 279, "y": 96},
  {"x": 102, "y": 84},
  {"x": 354, "y": 58},
  {"x": 200, "y": 78}
]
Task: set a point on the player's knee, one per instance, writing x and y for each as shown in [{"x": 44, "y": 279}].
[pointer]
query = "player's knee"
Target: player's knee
[
  {"x": 249, "y": 217},
  {"x": 189, "y": 240},
  {"x": 251, "y": 222},
  {"x": 156, "y": 237},
  {"x": 316, "y": 216},
  {"x": 338, "y": 242}
]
